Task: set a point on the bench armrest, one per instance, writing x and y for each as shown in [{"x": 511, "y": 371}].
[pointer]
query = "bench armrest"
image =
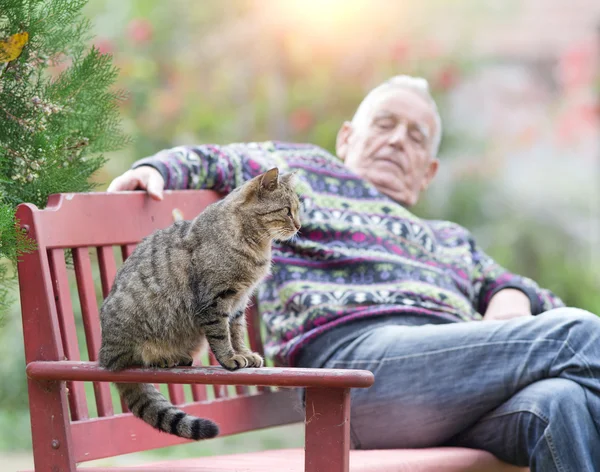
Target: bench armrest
[
  {"x": 265, "y": 376},
  {"x": 327, "y": 411}
]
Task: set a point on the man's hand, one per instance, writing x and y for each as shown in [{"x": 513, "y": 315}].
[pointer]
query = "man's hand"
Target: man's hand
[
  {"x": 506, "y": 304},
  {"x": 144, "y": 177}
]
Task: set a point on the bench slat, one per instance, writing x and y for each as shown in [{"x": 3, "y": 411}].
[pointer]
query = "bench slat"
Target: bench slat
[
  {"x": 123, "y": 434},
  {"x": 66, "y": 320},
  {"x": 91, "y": 322}
]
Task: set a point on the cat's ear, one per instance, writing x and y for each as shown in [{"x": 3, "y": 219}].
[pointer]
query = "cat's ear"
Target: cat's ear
[
  {"x": 290, "y": 178},
  {"x": 270, "y": 179}
]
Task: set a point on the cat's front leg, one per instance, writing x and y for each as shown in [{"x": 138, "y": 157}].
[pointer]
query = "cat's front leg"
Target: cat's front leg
[
  {"x": 216, "y": 330},
  {"x": 238, "y": 329}
]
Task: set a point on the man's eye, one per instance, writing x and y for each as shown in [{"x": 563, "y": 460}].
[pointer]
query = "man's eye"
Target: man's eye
[
  {"x": 385, "y": 124},
  {"x": 416, "y": 136}
]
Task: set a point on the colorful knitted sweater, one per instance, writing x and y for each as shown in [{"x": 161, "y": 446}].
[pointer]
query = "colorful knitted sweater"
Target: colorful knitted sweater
[{"x": 359, "y": 254}]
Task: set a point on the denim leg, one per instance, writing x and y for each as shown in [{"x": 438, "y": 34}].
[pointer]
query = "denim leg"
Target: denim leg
[
  {"x": 433, "y": 382},
  {"x": 547, "y": 426}
]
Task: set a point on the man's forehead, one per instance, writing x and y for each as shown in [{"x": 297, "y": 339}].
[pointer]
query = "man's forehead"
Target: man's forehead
[{"x": 396, "y": 101}]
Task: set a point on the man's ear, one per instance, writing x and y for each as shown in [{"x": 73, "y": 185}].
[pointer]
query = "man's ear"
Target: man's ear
[
  {"x": 270, "y": 179},
  {"x": 341, "y": 143},
  {"x": 430, "y": 173}
]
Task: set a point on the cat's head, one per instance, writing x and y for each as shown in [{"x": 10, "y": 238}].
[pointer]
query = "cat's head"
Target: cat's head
[{"x": 271, "y": 201}]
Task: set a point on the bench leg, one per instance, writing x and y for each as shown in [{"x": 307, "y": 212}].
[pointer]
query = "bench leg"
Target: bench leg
[
  {"x": 327, "y": 426},
  {"x": 52, "y": 449}
]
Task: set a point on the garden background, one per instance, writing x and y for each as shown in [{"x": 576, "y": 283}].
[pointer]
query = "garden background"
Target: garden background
[{"x": 518, "y": 87}]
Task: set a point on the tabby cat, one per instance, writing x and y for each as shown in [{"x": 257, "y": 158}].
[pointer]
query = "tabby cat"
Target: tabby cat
[{"x": 191, "y": 283}]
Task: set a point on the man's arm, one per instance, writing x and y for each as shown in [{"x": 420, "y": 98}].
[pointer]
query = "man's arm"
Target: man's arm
[
  {"x": 500, "y": 294},
  {"x": 219, "y": 168},
  {"x": 506, "y": 304}
]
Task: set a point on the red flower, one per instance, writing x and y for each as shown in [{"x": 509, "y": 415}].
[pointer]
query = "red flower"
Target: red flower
[
  {"x": 447, "y": 77},
  {"x": 577, "y": 122},
  {"x": 431, "y": 49},
  {"x": 577, "y": 66},
  {"x": 140, "y": 30},
  {"x": 105, "y": 46},
  {"x": 301, "y": 119},
  {"x": 400, "y": 51}
]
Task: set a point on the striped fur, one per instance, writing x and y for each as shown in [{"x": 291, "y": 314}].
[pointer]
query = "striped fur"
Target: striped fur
[
  {"x": 148, "y": 404},
  {"x": 188, "y": 285}
]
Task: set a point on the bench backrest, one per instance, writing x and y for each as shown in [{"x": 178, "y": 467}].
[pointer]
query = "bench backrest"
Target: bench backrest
[{"x": 82, "y": 239}]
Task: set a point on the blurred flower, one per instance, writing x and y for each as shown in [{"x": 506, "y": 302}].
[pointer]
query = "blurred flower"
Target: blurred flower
[
  {"x": 577, "y": 122},
  {"x": 431, "y": 49},
  {"x": 447, "y": 77},
  {"x": 140, "y": 30},
  {"x": 400, "y": 50},
  {"x": 301, "y": 119},
  {"x": 577, "y": 66},
  {"x": 168, "y": 103},
  {"x": 104, "y": 45}
]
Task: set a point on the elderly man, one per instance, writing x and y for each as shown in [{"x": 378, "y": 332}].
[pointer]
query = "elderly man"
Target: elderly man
[{"x": 464, "y": 352}]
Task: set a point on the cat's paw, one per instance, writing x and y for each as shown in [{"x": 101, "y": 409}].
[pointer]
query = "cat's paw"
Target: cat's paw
[
  {"x": 254, "y": 359},
  {"x": 163, "y": 364},
  {"x": 234, "y": 362},
  {"x": 186, "y": 362}
]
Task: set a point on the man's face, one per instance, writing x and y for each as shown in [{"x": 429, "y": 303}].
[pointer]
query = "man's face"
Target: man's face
[{"x": 389, "y": 144}]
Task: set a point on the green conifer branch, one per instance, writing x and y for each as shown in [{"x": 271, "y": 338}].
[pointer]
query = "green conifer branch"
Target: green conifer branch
[{"x": 54, "y": 129}]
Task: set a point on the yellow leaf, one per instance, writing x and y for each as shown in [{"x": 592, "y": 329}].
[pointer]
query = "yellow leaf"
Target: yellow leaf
[{"x": 11, "y": 48}]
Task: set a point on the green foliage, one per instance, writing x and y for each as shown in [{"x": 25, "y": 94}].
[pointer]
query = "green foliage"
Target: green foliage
[{"x": 58, "y": 113}]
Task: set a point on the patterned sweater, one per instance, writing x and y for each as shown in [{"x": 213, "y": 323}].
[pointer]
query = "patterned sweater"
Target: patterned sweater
[{"x": 359, "y": 254}]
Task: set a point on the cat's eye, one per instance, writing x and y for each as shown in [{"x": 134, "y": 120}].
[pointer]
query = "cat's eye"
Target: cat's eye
[{"x": 289, "y": 212}]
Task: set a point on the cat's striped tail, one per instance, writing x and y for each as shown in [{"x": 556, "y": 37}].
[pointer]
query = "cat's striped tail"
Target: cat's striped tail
[{"x": 151, "y": 406}]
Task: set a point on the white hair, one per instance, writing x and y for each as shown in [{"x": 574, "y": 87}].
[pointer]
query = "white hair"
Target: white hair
[{"x": 416, "y": 84}]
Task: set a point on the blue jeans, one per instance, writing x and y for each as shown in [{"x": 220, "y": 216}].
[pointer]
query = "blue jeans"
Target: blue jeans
[{"x": 527, "y": 389}]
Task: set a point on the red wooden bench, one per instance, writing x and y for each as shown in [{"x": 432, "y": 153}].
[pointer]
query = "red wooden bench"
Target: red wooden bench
[{"x": 64, "y": 430}]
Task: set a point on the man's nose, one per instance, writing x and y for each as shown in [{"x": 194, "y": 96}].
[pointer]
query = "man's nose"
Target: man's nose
[{"x": 398, "y": 135}]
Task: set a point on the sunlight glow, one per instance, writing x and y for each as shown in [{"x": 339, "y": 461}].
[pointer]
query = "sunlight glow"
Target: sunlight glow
[{"x": 329, "y": 20}]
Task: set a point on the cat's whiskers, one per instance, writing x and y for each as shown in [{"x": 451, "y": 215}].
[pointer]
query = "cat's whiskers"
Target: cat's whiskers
[{"x": 284, "y": 234}]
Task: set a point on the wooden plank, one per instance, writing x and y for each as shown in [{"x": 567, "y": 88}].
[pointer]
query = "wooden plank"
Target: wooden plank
[
  {"x": 253, "y": 321},
  {"x": 108, "y": 268},
  {"x": 91, "y": 323},
  {"x": 100, "y": 216},
  {"x": 108, "y": 271},
  {"x": 176, "y": 394},
  {"x": 66, "y": 321},
  {"x": 127, "y": 250},
  {"x": 274, "y": 376},
  {"x": 220, "y": 391},
  {"x": 198, "y": 390},
  {"x": 48, "y": 405},
  {"x": 123, "y": 434}
]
